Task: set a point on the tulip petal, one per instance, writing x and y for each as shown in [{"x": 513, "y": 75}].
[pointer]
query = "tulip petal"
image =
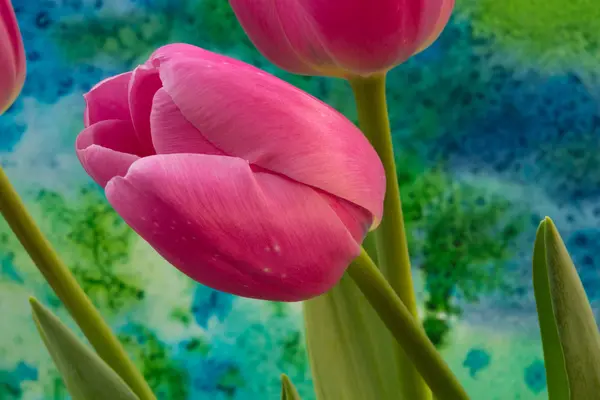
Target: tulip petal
[
  {"x": 143, "y": 85},
  {"x": 262, "y": 22},
  {"x": 184, "y": 50},
  {"x": 248, "y": 233},
  {"x": 249, "y": 114},
  {"x": 8, "y": 72},
  {"x": 12, "y": 57},
  {"x": 172, "y": 133},
  {"x": 107, "y": 149},
  {"x": 108, "y": 100},
  {"x": 435, "y": 17},
  {"x": 386, "y": 36},
  {"x": 10, "y": 28}
]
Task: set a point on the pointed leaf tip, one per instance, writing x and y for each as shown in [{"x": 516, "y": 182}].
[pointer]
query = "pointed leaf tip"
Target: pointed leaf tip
[
  {"x": 288, "y": 391},
  {"x": 554, "y": 360},
  {"x": 86, "y": 375},
  {"x": 561, "y": 298}
]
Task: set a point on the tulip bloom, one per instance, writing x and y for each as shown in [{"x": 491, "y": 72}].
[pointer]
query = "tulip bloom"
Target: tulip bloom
[
  {"x": 12, "y": 56},
  {"x": 240, "y": 180},
  {"x": 341, "y": 38}
]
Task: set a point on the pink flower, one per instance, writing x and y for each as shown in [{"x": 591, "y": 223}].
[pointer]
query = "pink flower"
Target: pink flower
[
  {"x": 240, "y": 180},
  {"x": 341, "y": 37},
  {"x": 12, "y": 56}
]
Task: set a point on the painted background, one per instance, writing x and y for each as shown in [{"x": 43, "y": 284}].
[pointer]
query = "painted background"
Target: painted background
[{"x": 495, "y": 126}]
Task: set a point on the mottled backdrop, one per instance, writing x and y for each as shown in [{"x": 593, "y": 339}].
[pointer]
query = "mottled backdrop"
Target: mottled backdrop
[{"x": 495, "y": 126}]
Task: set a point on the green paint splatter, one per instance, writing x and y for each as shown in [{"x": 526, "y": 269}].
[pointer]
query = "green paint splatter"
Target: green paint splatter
[
  {"x": 554, "y": 34},
  {"x": 462, "y": 237},
  {"x": 167, "y": 380},
  {"x": 98, "y": 241},
  {"x": 230, "y": 382},
  {"x": 124, "y": 39},
  {"x": 198, "y": 345}
]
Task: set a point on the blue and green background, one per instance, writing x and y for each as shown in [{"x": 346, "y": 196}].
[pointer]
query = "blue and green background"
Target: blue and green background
[{"x": 495, "y": 126}]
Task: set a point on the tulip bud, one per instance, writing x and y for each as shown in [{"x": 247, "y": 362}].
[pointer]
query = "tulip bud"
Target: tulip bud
[
  {"x": 342, "y": 37},
  {"x": 242, "y": 181},
  {"x": 12, "y": 56}
]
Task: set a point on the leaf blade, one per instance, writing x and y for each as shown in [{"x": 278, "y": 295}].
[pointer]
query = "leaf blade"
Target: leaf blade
[
  {"x": 576, "y": 324},
  {"x": 86, "y": 376},
  {"x": 350, "y": 349},
  {"x": 554, "y": 359},
  {"x": 288, "y": 390}
]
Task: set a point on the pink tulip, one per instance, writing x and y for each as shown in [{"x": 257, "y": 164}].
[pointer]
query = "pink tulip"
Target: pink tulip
[
  {"x": 12, "y": 56},
  {"x": 341, "y": 37},
  {"x": 240, "y": 180}
]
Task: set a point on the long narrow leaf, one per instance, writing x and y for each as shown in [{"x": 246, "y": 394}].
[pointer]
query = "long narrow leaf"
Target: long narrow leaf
[
  {"x": 554, "y": 358},
  {"x": 575, "y": 326},
  {"x": 351, "y": 351},
  {"x": 86, "y": 376},
  {"x": 288, "y": 391}
]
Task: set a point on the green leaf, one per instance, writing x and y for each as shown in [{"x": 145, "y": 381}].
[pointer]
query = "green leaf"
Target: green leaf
[
  {"x": 556, "y": 373},
  {"x": 352, "y": 354},
  {"x": 288, "y": 391},
  {"x": 86, "y": 376},
  {"x": 570, "y": 336}
]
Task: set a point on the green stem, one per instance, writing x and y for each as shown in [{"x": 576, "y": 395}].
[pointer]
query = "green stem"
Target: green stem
[
  {"x": 390, "y": 236},
  {"x": 68, "y": 290},
  {"x": 406, "y": 329}
]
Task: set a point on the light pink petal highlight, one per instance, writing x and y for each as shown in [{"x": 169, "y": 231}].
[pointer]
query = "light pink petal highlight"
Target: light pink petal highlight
[
  {"x": 247, "y": 113},
  {"x": 252, "y": 234},
  {"x": 183, "y": 50},
  {"x": 172, "y": 133}
]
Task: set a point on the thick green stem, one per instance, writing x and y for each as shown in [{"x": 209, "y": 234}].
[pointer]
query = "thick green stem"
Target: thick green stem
[
  {"x": 406, "y": 329},
  {"x": 68, "y": 290},
  {"x": 390, "y": 236}
]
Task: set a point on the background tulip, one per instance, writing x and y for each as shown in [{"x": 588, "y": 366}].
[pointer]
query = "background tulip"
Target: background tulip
[
  {"x": 12, "y": 56},
  {"x": 240, "y": 180},
  {"x": 341, "y": 37}
]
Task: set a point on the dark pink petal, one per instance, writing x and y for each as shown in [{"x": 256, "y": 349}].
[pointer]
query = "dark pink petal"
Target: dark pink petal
[
  {"x": 12, "y": 57},
  {"x": 282, "y": 32},
  {"x": 8, "y": 83},
  {"x": 113, "y": 134},
  {"x": 103, "y": 164},
  {"x": 367, "y": 36},
  {"x": 10, "y": 33},
  {"x": 143, "y": 85},
  {"x": 107, "y": 149},
  {"x": 172, "y": 133},
  {"x": 247, "y": 113},
  {"x": 108, "y": 100},
  {"x": 252, "y": 234}
]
